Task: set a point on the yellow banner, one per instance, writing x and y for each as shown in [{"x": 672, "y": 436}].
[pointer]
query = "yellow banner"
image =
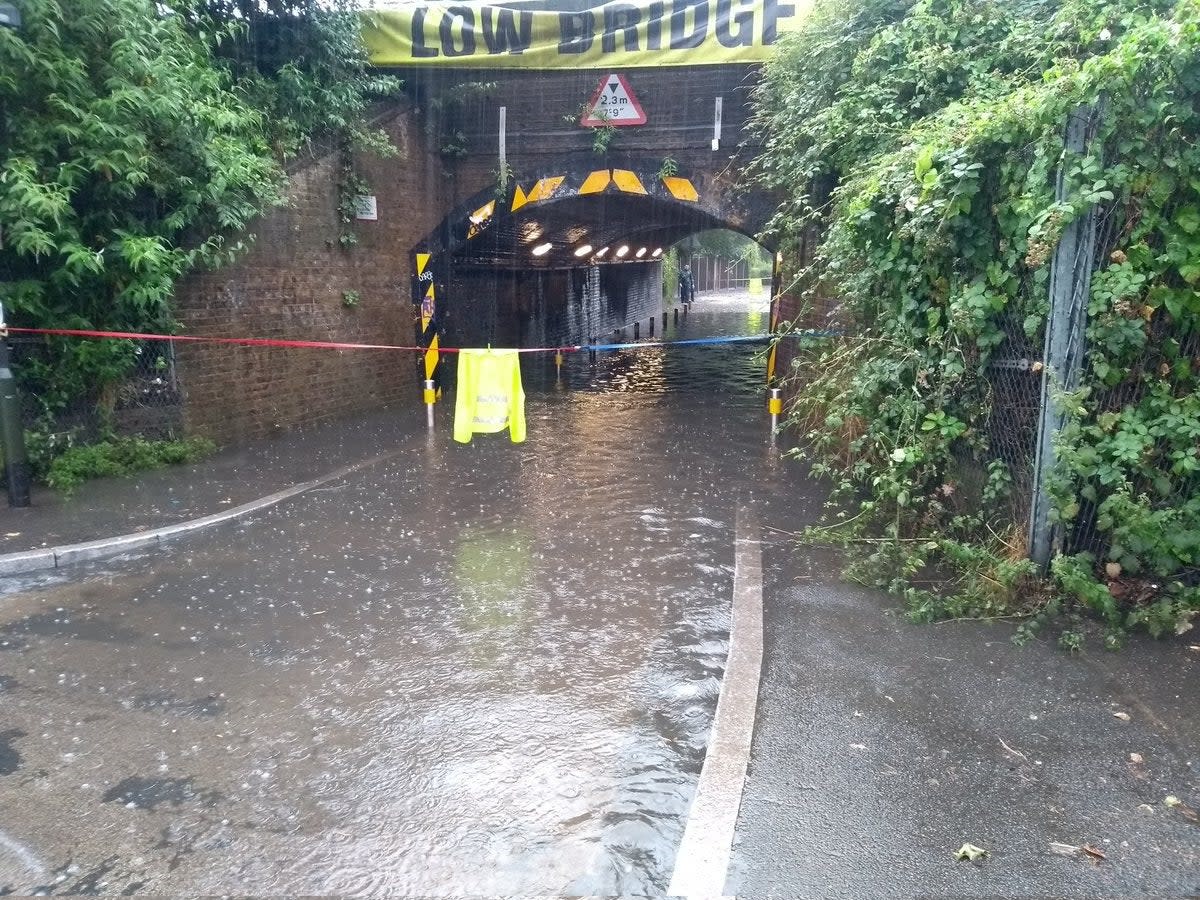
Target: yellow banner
[{"x": 641, "y": 33}]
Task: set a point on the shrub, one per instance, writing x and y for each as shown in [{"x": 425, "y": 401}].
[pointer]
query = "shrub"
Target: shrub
[{"x": 121, "y": 457}]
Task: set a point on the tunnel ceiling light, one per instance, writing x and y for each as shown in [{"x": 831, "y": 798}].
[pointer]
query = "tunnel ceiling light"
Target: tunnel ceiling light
[
  {"x": 601, "y": 251},
  {"x": 542, "y": 249},
  {"x": 584, "y": 250},
  {"x": 622, "y": 250},
  {"x": 657, "y": 252},
  {"x": 641, "y": 252}
]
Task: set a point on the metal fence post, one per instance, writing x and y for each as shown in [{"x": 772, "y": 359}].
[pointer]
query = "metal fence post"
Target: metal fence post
[
  {"x": 429, "y": 394},
  {"x": 12, "y": 435},
  {"x": 1066, "y": 326}
]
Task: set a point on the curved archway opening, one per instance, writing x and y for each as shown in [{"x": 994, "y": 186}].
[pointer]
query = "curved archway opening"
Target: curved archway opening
[{"x": 569, "y": 259}]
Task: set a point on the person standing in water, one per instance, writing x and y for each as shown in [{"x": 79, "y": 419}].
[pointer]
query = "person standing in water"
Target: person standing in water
[{"x": 687, "y": 285}]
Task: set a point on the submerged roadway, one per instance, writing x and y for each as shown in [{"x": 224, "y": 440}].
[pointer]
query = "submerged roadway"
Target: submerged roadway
[{"x": 492, "y": 670}]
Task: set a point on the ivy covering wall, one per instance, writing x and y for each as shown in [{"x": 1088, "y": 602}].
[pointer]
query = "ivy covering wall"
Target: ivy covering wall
[{"x": 922, "y": 141}]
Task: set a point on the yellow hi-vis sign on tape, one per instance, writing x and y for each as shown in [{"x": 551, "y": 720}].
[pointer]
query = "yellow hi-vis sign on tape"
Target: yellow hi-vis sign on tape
[{"x": 639, "y": 33}]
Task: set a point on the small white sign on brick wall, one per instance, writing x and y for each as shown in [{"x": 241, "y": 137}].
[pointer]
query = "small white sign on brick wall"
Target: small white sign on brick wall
[{"x": 366, "y": 208}]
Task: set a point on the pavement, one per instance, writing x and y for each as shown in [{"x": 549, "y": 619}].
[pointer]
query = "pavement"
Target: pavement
[
  {"x": 881, "y": 747},
  {"x": 235, "y": 479}
]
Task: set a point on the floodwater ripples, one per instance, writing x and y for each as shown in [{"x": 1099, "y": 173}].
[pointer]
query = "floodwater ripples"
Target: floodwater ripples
[{"x": 482, "y": 669}]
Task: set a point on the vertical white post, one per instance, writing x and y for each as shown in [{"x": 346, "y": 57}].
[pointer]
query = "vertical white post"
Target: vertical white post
[
  {"x": 775, "y": 408},
  {"x": 716, "y": 141},
  {"x": 503, "y": 139},
  {"x": 430, "y": 396}
]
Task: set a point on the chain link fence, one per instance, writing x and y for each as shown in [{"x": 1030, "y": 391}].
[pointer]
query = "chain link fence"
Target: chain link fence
[
  {"x": 1161, "y": 467},
  {"x": 146, "y": 401},
  {"x": 1014, "y": 379}
]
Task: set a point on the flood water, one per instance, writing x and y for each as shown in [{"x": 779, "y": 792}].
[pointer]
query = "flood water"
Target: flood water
[{"x": 482, "y": 669}]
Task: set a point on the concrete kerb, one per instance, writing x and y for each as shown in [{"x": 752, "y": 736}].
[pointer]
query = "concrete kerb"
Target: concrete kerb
[
  {"x": 27, "y": 561},
  {"x": 702, "y": 860}
]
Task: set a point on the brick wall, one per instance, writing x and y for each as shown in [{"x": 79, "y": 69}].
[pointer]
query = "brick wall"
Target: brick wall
[
  {"x": 291, "y": 284},
  {"x": 811, "y": 310}
]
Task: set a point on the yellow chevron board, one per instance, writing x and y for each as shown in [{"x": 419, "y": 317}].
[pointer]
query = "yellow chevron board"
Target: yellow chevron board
[
  {"x": 628, "y": 181},
  {"x": 431, "y": 359},
  {"x": 545, "y": 188},
  {"x": 423, "y": 289},
  {"x": 428, "y": 309},
  {"x": 596, "y": 182},
  {"x": 681, "y": 189},
  {"x": 519, "y": 199},
  {"x": 776, "y": 312}
]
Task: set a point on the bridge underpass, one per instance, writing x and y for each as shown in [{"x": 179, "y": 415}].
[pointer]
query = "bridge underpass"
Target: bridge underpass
[
  {"x": 564, "y": 259},
  {"x": 472, "y": 129},
  {"x": 534, "y": 167}
]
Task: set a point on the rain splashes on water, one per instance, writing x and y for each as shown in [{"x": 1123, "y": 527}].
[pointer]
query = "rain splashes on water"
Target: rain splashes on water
[{"x": 468, "y": 669}]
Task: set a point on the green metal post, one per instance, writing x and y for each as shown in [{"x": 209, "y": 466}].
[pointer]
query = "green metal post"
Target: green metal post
[
  {"x": 12, "y": 435},
  {"x": 1066, "y": 330}
]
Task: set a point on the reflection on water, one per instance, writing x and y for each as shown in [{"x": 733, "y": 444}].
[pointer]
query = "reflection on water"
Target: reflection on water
[{"x": 479, "y": 669}]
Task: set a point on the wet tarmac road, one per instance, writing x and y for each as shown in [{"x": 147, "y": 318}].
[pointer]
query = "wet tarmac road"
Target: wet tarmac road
[{"x": 487, "y": 669}]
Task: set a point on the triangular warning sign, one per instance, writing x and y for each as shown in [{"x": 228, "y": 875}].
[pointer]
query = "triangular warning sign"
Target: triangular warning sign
[{"x": 613, "y": 104}]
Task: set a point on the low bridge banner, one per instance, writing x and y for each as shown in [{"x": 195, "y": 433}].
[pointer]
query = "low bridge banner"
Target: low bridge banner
[{"x": 639, "y": 33}]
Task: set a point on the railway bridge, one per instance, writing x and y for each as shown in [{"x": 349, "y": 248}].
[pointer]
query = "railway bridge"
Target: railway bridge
[{"x": 550, "y": 152}]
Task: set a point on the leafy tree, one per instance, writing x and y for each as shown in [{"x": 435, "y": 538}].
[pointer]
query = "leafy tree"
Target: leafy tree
[
  {"x": 732, "y": 246},
  {"x": 923, "y": 139},
  {"x": 302, "y": 64},
  {"x": 128, "y": 158},
  {"x": 138, "y": 141}
]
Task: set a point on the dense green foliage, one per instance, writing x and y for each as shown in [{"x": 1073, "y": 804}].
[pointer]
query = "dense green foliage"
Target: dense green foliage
[
  {"x": 137, "y": 142},
  {"x": 733, "y": 246},
  {"x": 922, "y": 139},
  {"x": 120, "y": 457}
]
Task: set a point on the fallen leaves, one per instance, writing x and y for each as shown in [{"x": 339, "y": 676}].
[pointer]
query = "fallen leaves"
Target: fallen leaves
[
  {"x": 1123, "y": 716},
  {"x": 1011, "y": 750},
  {"x": 1174, "y": 803},
  {"x": 971, "y": 852},
  {"x": 1083, "y": 851}
]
